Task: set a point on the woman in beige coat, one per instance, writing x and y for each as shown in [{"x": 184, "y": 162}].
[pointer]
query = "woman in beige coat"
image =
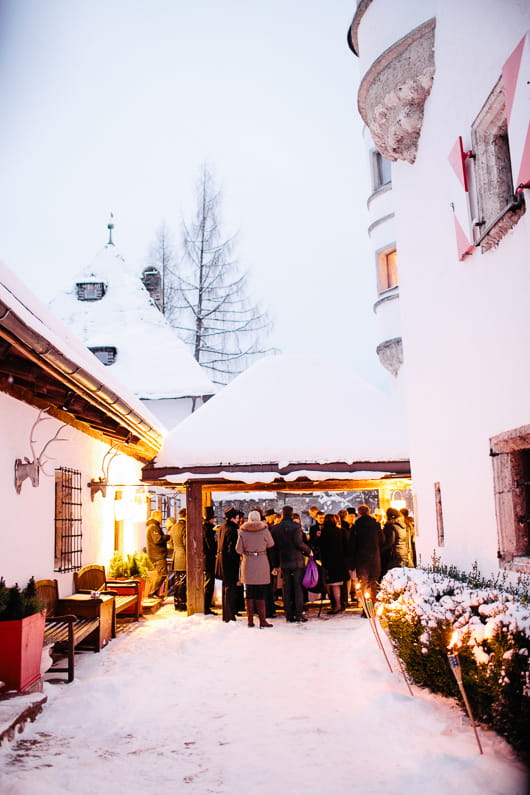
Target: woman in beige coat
[{"x": 252, "y": 544}]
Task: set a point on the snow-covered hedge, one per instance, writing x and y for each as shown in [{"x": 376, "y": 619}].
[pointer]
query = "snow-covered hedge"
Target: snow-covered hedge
[{"x": 426, "y": 612}]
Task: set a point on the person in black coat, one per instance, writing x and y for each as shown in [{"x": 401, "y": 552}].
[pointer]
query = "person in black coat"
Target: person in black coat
[
  {"x": 396, "y": 548},
  {"x": 364, "y": 552},
  {"x": 315, "y": 533},
  {"x": 227, "y": 563},
  {"x": 210, "y": 554},
  {"x": 333, "y": 555},
  {"x": 289, "y": 550}
]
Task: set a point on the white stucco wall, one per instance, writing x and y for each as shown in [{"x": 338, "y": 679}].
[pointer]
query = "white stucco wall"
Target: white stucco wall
[
  {"x": 388, "y": 315},
  {"x": 382, "y": 234},
  {"x": 386, "y": 22},
  {"x": 28, "y": 530},
  {"x": 465, "y": 324}
]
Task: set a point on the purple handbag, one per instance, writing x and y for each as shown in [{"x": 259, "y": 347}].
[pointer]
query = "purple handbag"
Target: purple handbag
[{"x": 310, "y": 578}]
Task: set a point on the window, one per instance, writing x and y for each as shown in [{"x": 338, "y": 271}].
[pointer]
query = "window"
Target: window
[
  {"x": 439, "y": 514},
  {"x": 105, "y": 353},
  {"x": 510, "y": 454},
  {"x": 68, "y": 536},
  {"x": 169, "y": 504},
  {"x": 387, "y": 272},
  {"x": 497, "y": 209},
  {"x": 90, "y": 291},
  {"x": 381, "y": 170}
]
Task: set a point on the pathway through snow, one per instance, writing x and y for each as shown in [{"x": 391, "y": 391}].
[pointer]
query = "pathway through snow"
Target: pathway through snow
[{"x": 196, "y": 706}]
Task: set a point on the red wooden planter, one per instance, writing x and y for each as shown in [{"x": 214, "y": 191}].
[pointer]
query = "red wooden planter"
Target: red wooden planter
[
  {"x": 125, "y": 591},
  {"x": 21, "y": 644}
]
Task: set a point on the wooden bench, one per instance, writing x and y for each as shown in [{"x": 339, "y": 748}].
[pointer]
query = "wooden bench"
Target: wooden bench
[
  {"x": 125, "y": 592},
  {"x": 65, "y": 631}
]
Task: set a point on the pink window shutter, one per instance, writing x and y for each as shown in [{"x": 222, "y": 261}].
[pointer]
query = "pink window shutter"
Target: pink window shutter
[
  {"x": 516, "y": 84},
  {"x": 460, "y": 199}
]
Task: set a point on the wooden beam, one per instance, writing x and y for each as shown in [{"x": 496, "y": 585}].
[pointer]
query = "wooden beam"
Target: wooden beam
[
  {"x": 211, "y": 473},
  {"x": 194, "y": 549},
  {"x": 305, "y": 487}
]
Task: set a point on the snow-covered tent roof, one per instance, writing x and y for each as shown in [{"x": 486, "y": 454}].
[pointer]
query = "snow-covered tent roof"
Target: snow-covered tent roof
[
  {"x": 48, "y": 365},
  {"x": 151, "y": 359},
  {"x": 288, "y": 417}
]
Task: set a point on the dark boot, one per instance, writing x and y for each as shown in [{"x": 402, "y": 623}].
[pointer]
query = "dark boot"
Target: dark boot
[
  {"x": 260, "y": 609},
  {"x": 250, "y": 605}
]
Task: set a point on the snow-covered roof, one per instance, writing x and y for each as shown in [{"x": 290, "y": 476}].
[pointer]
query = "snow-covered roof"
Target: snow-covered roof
[
  {"x": 286, "y": 411},
  {"x": 151, "y": 359},
  {"x": 58, "y": 346}
]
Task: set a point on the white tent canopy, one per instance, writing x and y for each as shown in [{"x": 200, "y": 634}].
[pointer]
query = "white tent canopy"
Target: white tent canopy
[{"x": 284, "y": 414}]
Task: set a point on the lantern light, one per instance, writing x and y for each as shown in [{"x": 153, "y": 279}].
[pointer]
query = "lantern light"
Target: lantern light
[{"x": 397, "y": 501}]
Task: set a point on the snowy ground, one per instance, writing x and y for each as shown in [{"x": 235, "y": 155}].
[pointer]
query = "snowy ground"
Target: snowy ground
[{"x": 195, "y": 706}]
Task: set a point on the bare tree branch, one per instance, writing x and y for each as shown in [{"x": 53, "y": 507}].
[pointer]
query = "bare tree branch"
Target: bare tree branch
[{"x": 205, "y": 298}]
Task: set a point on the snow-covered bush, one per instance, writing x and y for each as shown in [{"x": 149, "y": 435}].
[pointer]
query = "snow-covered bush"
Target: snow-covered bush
[{"x": 427, "y": 612}]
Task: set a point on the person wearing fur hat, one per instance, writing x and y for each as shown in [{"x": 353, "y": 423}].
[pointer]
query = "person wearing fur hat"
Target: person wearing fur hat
[{"x": 254, "y": 540}]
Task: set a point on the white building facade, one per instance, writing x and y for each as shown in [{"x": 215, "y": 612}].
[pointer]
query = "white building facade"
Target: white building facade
[
  {"x": 445, "y": 94},
  {"x": 382, "y": 234},
  {"x": 79, "y": 436}
]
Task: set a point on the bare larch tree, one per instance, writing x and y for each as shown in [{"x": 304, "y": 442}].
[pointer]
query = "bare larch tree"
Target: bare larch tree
[{"x": 210, "y": 307}]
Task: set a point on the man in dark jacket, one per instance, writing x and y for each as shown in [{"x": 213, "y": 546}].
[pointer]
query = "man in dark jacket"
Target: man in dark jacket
[
  {"x": 315, "y": 534},
  {"x": 227, "y": 562},
  {"x": 364, "y": 553},
  {"x": 210, "y": 552},
  {"x": 290, "y": 551},
  {"x": 156, "y": 547}
]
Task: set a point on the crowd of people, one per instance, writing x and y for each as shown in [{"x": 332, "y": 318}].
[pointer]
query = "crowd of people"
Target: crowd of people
[{"x": 262, "y": 557}]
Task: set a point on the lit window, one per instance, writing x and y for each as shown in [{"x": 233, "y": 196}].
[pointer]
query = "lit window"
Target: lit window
[
  {"x": 387, "y": 271},
  {"x": 496, "y": 209},
  {"x": 90, "y": 291},
  {"x": 381, "y": 170},
  {"x": 105, "y": 353},
  {"x": 510, "y": 453}
]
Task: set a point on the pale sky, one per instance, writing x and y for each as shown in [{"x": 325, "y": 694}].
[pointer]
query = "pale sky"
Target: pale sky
[{"x": 112, "y": 105}]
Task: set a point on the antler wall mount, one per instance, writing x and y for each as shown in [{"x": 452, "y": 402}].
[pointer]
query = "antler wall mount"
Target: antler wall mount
[
  {"x": 100, "y": 485},
  {"x": 32, "y": 469}
]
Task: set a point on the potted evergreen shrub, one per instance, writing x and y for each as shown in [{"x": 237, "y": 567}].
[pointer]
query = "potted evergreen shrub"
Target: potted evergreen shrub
[
  {"x": 22, "y": 616},
  {"x": 131, "y": 567}
]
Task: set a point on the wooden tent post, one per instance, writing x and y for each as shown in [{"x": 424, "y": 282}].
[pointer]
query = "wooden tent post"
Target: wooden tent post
[{"x": 194, "y": 548}]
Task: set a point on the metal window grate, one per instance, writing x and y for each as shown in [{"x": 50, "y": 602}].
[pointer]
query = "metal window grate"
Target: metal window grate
[
  {"x": 68, "y": 535},
  {"x": 169, "y": 504}
]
